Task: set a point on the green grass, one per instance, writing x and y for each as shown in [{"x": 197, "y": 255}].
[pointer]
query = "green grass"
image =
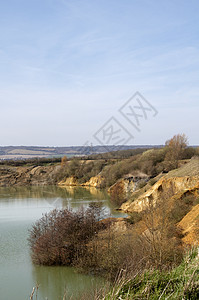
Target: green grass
[{"x": 181, "y": 282}]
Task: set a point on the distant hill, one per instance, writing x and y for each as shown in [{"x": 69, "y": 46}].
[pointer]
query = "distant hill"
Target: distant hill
[{"x": 23, "y": 152}]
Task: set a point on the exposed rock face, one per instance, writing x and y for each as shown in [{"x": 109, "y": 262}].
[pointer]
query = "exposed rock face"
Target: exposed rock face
[
  {"x": 124, "y": 188},
  {"x": 164, "y": 188},
  {"x": 96, "y": 181},
  {"x": 121, "y": 190},
  {"x": 190, "y": 226},
  {"x": 33, "y": 175},
  {"x": 69, "y": 181},
  {"x": 125, "y": 185}
]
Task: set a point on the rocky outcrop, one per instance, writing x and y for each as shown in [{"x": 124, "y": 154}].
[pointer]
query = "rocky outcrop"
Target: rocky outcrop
[
  {"x": 121, "y": 190},
  {"x": 69, "y": 181},
  {"x": 96, "y": 181},
  {"x": 190, "y": 226},
  {"x": 165, "y": 188},
  {"x": 129, "y": 184},
  {"x": 125, "y": 187},
  {"x": 31, "y": 175}
]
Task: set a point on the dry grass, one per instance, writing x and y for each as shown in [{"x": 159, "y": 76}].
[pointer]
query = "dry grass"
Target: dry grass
[
  {"x": 189, "y": 169},
  {"x": 179, "y": 283}
]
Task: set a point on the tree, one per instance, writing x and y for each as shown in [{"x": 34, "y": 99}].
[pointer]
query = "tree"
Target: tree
[
  {"x": 175, "y": 148},
  {"x": 63, "y": 161}
]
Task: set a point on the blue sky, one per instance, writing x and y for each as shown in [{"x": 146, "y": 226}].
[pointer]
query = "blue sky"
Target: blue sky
[{"x": 67, "y": 66}]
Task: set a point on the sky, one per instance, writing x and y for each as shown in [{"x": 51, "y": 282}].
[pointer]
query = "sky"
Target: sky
[{"x": 69, "y": 68}]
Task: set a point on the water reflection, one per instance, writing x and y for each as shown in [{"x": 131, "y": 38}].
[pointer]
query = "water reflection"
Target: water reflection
[
  {"x": 55, "y": 281},
  {"x": 51, "y": 191},
  {"x": 20, "y": 207},
  {"x": 31, "y": 202}
]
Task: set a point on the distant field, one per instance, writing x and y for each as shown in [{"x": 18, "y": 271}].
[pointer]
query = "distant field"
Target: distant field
[
  {"x": 27, "y": 152},
  {"x": 23, "y": 152},
  {"x": 20, "y": 156}
]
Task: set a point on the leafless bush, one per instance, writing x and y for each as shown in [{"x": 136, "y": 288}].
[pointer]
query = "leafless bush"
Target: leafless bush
[
  {"x": 161, "y": 241},
  {"x": 61, "y": 237},
  {"x": 66, "y": 237}
]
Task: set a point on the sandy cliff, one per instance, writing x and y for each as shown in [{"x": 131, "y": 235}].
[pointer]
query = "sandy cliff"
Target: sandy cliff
[
  {"x": 190, "y": 226},
  {"x": 165, "y": 188},
  {"x": 31, "y": 175},
  {"x": 96, "y": 181},
  {"x": 174, "y": 184}
]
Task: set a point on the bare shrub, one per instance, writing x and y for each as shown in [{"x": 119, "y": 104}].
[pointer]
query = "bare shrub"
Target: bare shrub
[
  {"x": 65, "y": 237},
  {"x": 161, "y": 241},
  {"x": 63, "y": 161},
  {"x": 110, "y": 251},
  {"x": 61, "y": 236}
]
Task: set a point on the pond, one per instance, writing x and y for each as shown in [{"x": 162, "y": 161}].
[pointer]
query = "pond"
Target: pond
[{"x": 20, "y": 207}]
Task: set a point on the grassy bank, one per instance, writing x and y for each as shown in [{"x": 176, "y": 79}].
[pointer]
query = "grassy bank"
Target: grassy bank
[{"x": 181, "y": 282}]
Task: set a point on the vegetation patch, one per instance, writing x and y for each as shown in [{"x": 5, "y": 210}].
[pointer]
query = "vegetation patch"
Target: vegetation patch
[
  {"x": 61, "y": 236},
  {"x": 179, "y": 283}
]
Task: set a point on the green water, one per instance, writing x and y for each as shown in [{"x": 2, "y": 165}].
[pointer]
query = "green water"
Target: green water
[{"x": 19, "y": 209}]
